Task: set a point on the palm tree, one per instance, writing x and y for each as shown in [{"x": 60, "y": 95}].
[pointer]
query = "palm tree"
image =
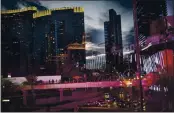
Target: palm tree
[
  {"x": 8, "y": 88},
  {"x": 10, "y": 92},
  {"x": 32, "y": 79}
]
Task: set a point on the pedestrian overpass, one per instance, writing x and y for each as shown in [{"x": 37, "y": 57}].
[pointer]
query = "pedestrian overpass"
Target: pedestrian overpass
[{"x": 147, "y": 81}]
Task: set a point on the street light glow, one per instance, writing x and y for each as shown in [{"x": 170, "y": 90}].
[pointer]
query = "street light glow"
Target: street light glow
[{"x": 6, "y": 100}]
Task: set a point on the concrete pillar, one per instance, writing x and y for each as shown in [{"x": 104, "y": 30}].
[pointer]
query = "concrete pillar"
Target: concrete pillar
[
  {"x": 61, "y": 95},
  {"x": 24, "y": 97},
  {"x": 76, "y": 109}
]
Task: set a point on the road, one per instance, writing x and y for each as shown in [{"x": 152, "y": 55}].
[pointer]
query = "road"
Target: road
[
  {"x": 103, "y": 109},
  {"x": 75, "y": 97},
  {"x": 71, "y": 105}
]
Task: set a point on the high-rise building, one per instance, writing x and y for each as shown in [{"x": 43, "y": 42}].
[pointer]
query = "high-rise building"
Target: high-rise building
[
  {"x": 69, "y": 23},
  {"x": 106, "y": 31},
  {"x": 152, "y": 26},
  {"x": 40, "y": 38},
  {"x": 61, "y": 27},
  {"x": 16, "y": 40},
  {"x": 49, "y": 33},
  {"x": 145, "y": 11},
  {"x": 107, "y": 47},
  {"x": 113, "y": 41},
  {"x": 51, "y": 50},
  {"x": 41, "y": 33}
]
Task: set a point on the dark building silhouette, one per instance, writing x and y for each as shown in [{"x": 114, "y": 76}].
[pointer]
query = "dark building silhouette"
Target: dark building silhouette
[
  {"x": 16, "y": 40},
  {"x": 61, "y": 27},
  {"x": 69, "y": 26},
  {"x": 51, "y": 50},
  {"x": 49, "y": 34},
  {"x": 113, "y": 42},
  {"x": 38, "y": 37},
  {"x": 106, "y": 31},
  {"x": 42, "y": 29},
  {"x": 146, "y": 11},
  {"x": 70, "y": 29}
]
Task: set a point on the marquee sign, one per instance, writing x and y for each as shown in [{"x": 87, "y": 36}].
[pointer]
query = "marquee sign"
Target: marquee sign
[{"x": 76, "y": 46}]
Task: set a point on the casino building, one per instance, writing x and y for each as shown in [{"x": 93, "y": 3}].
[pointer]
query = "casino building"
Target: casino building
[{"x": 42, "y": 36}]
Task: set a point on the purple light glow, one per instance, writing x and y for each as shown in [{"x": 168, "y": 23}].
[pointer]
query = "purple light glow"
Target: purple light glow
[{"x": 149, "y": 77}]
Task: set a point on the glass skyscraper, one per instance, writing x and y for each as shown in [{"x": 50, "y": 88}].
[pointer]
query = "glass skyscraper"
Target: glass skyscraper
[{"x": 113, "y": 41}]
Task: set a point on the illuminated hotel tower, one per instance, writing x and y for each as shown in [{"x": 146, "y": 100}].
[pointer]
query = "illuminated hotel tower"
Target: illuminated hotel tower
[
  {"x": 63, "y": 26},
  {"x": 30, "y": 32},
  {"x": 113, "y": 42},
  {"x": 16, "y": 40}
]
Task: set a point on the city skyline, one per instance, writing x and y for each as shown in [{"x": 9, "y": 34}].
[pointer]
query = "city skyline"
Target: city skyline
[
  {"x": 94, "y": 18},
  {"x": 96, "y": 12},
  {"x": 114, "y": 56}
]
